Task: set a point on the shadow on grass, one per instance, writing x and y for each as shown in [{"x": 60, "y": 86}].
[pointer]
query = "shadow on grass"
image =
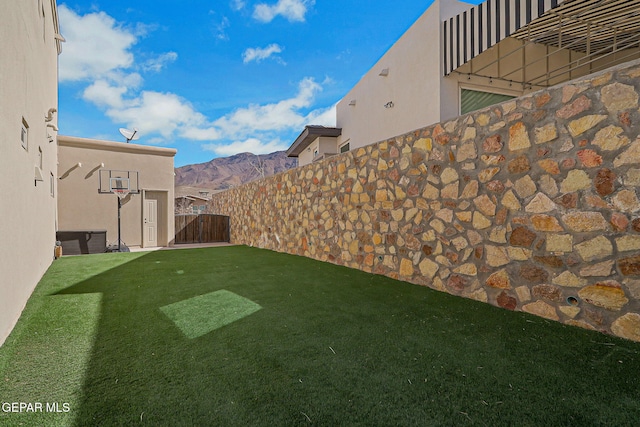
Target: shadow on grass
[{"x": 333, "y": 346}]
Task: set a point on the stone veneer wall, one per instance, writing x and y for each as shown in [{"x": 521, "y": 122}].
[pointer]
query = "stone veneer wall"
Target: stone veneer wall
[{"x": 529, "y": 205}]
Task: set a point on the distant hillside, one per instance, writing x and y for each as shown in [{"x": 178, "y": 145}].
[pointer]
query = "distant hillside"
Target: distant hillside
[{"x": 227, "y": 172}]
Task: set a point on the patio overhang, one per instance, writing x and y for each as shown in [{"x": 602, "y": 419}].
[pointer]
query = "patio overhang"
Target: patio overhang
[
  {"x": 310, "y": 134},
  {"x": 538, "y": 43}
]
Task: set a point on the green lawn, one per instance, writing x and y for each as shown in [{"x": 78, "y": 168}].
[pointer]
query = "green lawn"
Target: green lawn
[{"x": 238, "y": 336}]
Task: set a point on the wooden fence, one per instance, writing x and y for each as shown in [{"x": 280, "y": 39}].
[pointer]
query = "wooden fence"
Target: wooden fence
[{"x": 203, "y": 228}]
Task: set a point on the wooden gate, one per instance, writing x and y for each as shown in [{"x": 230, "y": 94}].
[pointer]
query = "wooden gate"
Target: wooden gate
[{"x": 203, "y": 228}]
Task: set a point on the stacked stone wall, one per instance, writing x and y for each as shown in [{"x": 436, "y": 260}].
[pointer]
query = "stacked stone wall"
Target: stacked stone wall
[{"x": 529, "y": 205}]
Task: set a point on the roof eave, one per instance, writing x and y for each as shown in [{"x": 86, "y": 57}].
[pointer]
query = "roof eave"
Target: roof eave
[{"x": 310, "y": 134}]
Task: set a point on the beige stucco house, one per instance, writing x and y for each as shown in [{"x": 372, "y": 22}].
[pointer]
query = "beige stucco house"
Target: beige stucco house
[
  {"x": 191, "y": 204},
  {"x": 28, "y": 127},
  {"x": 147, "y": 218},
  {"x": 458, "y": 58},
  {"x": 50, "y": 183}
]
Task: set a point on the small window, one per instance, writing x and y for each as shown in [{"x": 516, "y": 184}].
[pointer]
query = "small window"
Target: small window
[
  {"x": 39, "y": 160},
  {"x": 315, "y": 153},
  {"x": 344, "y": 148},
  {"x": 472, "y": 100},
  {"x": 52, "y": 184},
  {"x": 24, "y": 135}
]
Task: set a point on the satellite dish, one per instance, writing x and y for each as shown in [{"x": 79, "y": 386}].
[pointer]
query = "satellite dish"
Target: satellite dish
[{"x": 130, "y": 135}]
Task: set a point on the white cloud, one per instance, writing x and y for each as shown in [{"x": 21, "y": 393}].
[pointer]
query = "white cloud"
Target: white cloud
[
  {"x": 102, "y": 94},
  {"x": 270, "y": 117},
  {"x": 171, "y": 116},
  {"x": 130, "y": 80},
  {"x": 292, "y": 10},
  {"x": 238, "y": 4},
  {"x": 255, "y": 128},
  {"x": 323, "y": 117},
  {"x": 153, "y": 113},
  {"x": 166, "y": 114},
  {"x": 258, "y": 54},
  {"x": 200, "y": 134},
  {"x": 99, "y": 53},
  {"x": 251, "y": 145},
  {"x": 159, "y": 62},
  {"x": 220, "y": 29},
  {"x": 96, "y": 45}
]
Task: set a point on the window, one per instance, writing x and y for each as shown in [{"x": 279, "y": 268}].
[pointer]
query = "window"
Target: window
[
  {"x": 315, "y": 153},
  {"x": 472, "y": 100},
  {"x": 344, "y": 148},
  {"x": 39, "y": 160},
  {"x": 52, "y": 184},
  {"x": 24, "y": 135}
]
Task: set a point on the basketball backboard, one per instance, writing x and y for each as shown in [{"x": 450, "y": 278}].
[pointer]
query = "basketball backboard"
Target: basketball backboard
[{"x": 112, "y": 181}]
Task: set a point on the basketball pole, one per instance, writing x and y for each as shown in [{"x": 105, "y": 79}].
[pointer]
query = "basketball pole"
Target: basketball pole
[
  {"x": 119, "y": 239},
  {"x": 119, "y": 183}
]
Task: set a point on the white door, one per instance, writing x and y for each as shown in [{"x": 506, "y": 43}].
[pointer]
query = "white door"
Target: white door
[{"x": 151, "y": 222}]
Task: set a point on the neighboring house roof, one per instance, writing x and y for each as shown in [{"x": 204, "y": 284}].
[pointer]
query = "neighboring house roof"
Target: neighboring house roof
[
  {"x": 308, "y": 135},
  {"x": 595, "y": 28},
  {"x": 193, "y": 198}
]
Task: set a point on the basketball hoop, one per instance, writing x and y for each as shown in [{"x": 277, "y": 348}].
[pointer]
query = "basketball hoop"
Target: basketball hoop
[
  {"x": 121, "y": 183},
  {"x": 121, "y": 192}
]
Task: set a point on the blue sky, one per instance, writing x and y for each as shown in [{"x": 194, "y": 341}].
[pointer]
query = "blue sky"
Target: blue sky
[{"x": 218, "y": 77}]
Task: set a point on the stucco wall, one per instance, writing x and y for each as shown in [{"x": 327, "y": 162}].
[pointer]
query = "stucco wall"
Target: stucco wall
[
  {"x": 422, "y": 96},
  {"x": 412, "y": 84},
  {"x": 82, "y": 208},
  {"x": 28, "y": 89},
  {"x": 324, "y": 145},
  {"x": 530, "y": 205}
]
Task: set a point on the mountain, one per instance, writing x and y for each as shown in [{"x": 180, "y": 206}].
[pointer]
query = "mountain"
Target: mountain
[{"x": 225, "y": 172}]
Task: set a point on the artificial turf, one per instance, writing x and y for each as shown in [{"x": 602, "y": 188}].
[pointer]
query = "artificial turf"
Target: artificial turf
[{"x": 121, "y": 340}]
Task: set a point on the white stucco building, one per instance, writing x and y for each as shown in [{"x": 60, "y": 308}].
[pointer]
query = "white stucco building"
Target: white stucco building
[
  {"x": 28, "y": 128},
  {"x": 50, "y": 183},
  {"x": 458, "y": 58}
]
